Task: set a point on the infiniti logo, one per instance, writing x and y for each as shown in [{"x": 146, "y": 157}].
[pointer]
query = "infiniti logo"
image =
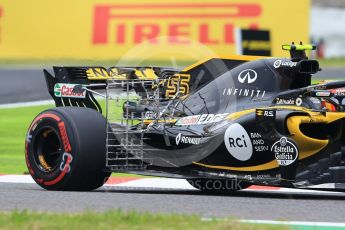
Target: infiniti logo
[{"x": 247, "y": 76}]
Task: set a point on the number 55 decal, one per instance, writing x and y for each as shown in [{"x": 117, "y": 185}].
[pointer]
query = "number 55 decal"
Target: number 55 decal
[{"x": 177, "y": 83}]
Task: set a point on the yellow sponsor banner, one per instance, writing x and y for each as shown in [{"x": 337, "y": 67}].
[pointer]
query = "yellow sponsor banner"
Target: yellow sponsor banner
[{"x": 143, "y": 29}]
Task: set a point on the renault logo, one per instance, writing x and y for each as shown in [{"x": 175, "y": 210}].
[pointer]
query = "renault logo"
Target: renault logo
[
  {"x": 178, "y": 138},
  {"x": 247, "y": 76}
]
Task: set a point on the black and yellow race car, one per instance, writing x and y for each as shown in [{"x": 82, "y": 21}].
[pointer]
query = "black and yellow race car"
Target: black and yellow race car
[{"x": 239, "y": 120}]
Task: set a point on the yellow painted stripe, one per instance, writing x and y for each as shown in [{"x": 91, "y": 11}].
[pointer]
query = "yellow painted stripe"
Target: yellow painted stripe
[
  {"x": 308, "y": 146},
  {"x": 234, "y": 116},
  {"x": 227, "y": 57},
  {"x": 147, "y": 121},
  {"x": 270, "y": 165},
  {"x": 99, "y": 78}
]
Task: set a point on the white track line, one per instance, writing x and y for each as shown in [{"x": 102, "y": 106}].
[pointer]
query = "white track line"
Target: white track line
[
  {"x": 169, "y": 183},
  {"x": 296, "y": 191},
  {"x": 166, "y": 183},
  {"x": 296, "y": 223},
  {"x": 289, "y": 223},
  {"x": 22, "y": 179},
  {"x": 162, "y": 183}
]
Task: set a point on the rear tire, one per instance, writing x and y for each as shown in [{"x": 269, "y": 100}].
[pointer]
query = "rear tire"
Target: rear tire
[{"x": 66, "y": 149}]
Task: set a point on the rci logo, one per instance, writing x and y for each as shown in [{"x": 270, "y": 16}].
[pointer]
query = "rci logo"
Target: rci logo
[{"x": 238, "y": 143}]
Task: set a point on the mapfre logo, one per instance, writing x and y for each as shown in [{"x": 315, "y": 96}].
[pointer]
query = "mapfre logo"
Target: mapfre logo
[{"x": 178, "y": 22}]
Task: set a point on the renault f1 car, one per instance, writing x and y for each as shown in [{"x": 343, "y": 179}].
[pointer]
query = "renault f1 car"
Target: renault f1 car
[{"x": 247, "y": 119}]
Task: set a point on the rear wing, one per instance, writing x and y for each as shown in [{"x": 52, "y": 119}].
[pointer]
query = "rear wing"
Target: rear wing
[{"x": 76, "y": 86}]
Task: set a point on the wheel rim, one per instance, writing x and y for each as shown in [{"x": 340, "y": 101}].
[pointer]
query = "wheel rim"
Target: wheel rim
[{"x": 48, "y": 149}]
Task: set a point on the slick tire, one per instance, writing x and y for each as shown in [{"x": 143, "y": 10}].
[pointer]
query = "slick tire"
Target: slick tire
[
  {"x": 218, "y": 185},
  {"x": 66, "y": 149}
]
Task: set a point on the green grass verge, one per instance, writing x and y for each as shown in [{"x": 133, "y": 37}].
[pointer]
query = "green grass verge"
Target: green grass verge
[
  {"x": 316, "y": 81},
  {"x": 118, "y": 220},
  {"x": 13, "y": 127},
  {"x": 332, "y": 62}
]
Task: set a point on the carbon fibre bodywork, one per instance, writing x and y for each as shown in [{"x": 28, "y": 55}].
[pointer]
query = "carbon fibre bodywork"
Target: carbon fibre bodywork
[{"x": 255, "y": 119}]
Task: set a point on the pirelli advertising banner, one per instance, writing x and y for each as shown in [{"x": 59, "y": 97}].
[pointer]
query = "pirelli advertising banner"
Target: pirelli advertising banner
[{"x": 144, "y": 29}]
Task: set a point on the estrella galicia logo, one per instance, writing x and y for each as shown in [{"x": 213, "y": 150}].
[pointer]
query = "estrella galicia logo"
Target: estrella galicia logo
[
  {"x": 284, "y": 151},
  {"x": 247, "y": 76}
]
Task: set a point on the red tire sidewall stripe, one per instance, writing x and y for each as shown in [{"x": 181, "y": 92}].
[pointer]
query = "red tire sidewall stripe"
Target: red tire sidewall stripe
[
  {"x": 66, "y": 144},
  {"x": 47, "y": 115},
  {"x": 64, "y": 137},
  {"x": 60, "y": 177}
]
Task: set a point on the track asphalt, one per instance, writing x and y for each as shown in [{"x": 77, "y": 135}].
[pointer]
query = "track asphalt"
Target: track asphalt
[
  {"x": 23, "y": 85},
  {"x": 176, "y": 196}
]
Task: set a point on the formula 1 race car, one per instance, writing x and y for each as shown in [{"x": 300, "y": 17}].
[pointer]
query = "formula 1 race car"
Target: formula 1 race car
[{"x": 249, "y": 120}]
